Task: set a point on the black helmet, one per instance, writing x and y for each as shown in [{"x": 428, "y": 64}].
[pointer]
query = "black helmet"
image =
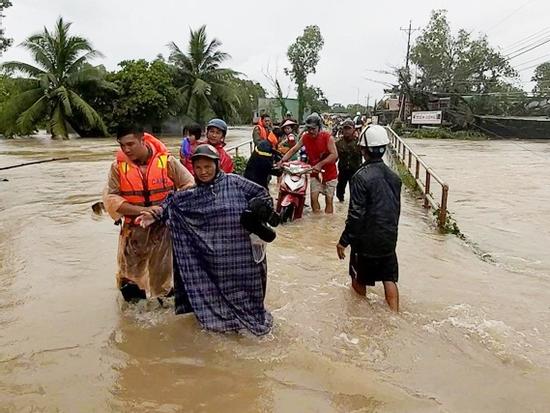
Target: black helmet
[
  {"x": 313, "y": 120},
  {"x": 206, "y": 151}
]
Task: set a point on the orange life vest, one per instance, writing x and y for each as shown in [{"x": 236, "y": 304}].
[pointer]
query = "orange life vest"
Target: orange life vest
[
  {"x": 151, "y": 188},
  {"x": 267, "y": 136}
]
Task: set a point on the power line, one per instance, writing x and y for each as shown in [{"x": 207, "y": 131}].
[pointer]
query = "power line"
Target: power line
[
  {"x": 508, "y": 16},
  {"x": 536, "y": 46},
  {"x": 528, "y": 38},
  {"x": 532, "y": 60}
]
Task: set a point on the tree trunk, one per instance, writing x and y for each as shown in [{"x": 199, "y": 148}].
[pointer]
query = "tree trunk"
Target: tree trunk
[{"x": 300, "y": 101}]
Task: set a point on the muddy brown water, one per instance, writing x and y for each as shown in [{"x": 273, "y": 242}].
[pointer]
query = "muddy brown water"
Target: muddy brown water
[{"x": 472, "y": 335}]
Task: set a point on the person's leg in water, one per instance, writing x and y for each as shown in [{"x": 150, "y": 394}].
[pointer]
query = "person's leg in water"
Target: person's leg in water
[
  {"x": 392, "y": 295},
  {"x": 315, "y": 206},
  {"x": 359, "y": 288},
  {"x": 329, "y": 190},
  {"x": 341, "y": 187},
  {"x": 329, "y": 201}
]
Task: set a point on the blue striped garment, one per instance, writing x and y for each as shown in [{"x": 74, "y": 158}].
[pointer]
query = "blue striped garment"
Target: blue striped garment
[{"x": 217, "y": 277}]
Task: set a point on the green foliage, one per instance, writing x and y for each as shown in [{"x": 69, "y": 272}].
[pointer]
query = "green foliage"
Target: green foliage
[
  {"x": 315, "y": 99},
  {"x": 444, "y": 133},
  {"x": 458, "y": 65},
  {"x": 51, "y": 91},
  {"x": 4, "y": 41},
  {"x": 397, "y": 126},
  {"x": 239, "y": 162},
  {"x": 146, "y": 94},
  {"x": 248, "y": 92},
  {"x": 338, "y": 108},
  {"x": 9, "y": 88},
  {"x": 541, "y": 77},
  {"x": 304, "y": 55},
  {"x": 353, "y": 108},
  {"x": 204, "y": 88}
]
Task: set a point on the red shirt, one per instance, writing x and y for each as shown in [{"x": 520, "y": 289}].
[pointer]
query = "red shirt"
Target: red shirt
[
  {"x": 317, "y": 150},
  {"x": 226, "y": 163}
]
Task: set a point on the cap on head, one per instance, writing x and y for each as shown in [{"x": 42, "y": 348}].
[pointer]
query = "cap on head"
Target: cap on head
[
  {"x": 206, "y": 151},
  {"x": 348, "y": 123},
  {"x": 217, "y": 123},
  {"x": 313, "y": 120}
]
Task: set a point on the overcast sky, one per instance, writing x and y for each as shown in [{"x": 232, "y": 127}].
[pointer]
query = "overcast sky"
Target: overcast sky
[{"x": 360, "y": 36}]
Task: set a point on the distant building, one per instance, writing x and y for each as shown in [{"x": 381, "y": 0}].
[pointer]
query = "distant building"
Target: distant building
[{"x": 273, "y": 108}]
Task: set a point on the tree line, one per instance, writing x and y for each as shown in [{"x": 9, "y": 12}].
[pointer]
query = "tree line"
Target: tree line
[
  {"x": 478, "y": 78},
  {"x": 63, "y": 92}
]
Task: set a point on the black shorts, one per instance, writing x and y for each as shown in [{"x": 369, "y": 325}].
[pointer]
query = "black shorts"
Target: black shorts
[{"x": 367, "y": 270}]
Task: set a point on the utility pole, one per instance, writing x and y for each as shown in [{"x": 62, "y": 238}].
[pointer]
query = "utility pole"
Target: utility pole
[{"x": 402, "y": 94}]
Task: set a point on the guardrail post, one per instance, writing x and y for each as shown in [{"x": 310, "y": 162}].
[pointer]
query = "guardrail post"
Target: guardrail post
[
  {"x": 427, "y": 189},
  {"x": 251, "y": 146},
  {"x": 443, "y": 206},
  {"x": 417, "y": 170},
  {"x": 410, "y": 159},
  {"x": 237, "y": 151}
]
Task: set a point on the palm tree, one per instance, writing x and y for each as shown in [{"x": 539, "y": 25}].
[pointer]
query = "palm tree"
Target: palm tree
[
  {"x": 204, "y": 87},
  {"x": 51, "y": 91}
]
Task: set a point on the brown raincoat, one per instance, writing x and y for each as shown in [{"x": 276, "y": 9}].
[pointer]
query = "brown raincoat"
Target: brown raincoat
[{"x": 144, "y": 255}]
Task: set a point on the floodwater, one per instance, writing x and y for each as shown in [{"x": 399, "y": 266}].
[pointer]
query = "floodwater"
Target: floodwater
[{"x": 472, "y": 335}]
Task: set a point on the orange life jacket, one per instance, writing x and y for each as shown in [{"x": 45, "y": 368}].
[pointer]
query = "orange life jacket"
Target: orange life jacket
[
  {"x": 267, "y": 136},
  {"x": 151, "y": 188}
]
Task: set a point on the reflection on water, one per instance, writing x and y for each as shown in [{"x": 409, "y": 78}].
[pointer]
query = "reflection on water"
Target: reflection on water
[{"x": 69, "y": 344}]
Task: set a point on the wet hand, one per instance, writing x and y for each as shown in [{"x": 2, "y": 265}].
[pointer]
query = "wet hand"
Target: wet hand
[
  {"x": 149, "y": 216},
  {"x": 341, "y": 251},
  {"x": 317, "y": 168}
]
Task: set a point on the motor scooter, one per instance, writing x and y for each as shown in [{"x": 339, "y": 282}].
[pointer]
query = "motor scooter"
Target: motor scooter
[{"x": 292, "y": 190}]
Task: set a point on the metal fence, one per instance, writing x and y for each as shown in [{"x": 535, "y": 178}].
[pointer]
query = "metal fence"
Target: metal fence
[
  {"x": 423, "y": 175},
  {"x": 236, "y": 148}
]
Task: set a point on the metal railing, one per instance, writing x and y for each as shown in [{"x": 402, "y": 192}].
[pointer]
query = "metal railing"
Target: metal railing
[
  {"x": 235, "y": 148},
  {"x": 408, "y": 158}
]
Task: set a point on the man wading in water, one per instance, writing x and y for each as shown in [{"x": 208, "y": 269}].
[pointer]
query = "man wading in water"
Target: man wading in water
[
  {"x": 349, "y": 157},
  {"x": 141, "y": 177},
  {"x": 322, "y": 155},
  {"x": 373, "y": 217}
]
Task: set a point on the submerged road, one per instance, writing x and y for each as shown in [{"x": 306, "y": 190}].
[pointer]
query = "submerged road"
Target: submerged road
[{"x": 472, "y": 335}]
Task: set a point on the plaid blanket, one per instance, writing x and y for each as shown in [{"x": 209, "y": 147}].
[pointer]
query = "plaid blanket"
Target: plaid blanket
[{"x": 217, "y": 277}]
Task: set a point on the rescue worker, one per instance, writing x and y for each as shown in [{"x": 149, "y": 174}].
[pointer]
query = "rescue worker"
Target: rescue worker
[
  {"x": 373, "y": 217},
  {"x": 260, "y": 165},
  {"x": 349, "y": 157},
  {"x": 264, "y": 131},
  {"x": 141, "y": 177},
  {"x": 322, "y": 155},
  {"x": 191, "y": 139},
  {"x": 216, "y": 130}
]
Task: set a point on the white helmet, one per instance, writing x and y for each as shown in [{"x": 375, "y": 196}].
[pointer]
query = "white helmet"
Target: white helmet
[{"x": 374, "y": 135}]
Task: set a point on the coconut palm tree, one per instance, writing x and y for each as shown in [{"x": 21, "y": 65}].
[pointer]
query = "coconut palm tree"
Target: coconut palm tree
[
  {"x": 51, "y": 91},
  {"x": 204, "y": 87}
]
